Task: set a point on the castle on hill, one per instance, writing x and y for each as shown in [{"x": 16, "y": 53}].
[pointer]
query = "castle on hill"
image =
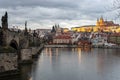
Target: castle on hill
[{"x": 101, "y": 25}]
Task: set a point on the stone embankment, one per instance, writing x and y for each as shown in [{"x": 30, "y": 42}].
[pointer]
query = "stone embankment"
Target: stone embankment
[
  {"x": 8, "y": 65},
  {"x": 106, "y": 47},
  {"x": 61, "y": 46},
  {"x": 8, "y": 61},
  {"x": 74, "y": 46},
  {"x": 28, "y": 54}
]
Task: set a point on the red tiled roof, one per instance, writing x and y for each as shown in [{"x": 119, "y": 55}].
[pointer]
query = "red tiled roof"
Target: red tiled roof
[{"x": 63, "y": 37}]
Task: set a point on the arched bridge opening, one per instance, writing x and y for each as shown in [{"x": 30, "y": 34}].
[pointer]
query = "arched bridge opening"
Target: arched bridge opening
[{"x": 14, "y": 44}]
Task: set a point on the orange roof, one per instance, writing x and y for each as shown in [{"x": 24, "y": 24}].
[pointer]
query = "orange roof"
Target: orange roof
[{"x": 63, "y": 37}]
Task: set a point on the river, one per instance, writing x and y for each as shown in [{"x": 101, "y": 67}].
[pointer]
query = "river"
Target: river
[{"x": 75, "y": 64}]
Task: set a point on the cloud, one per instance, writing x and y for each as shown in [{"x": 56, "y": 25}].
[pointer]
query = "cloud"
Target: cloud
[{"x": 45, "y": 13}]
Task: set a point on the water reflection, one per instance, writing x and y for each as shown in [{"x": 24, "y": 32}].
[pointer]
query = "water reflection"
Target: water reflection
[
  {"x": 78, "y": 64},
  {"x": 25, "y": 72},
  {"x": 74, "y": 64},
  {"x": 79, "y": 55}
]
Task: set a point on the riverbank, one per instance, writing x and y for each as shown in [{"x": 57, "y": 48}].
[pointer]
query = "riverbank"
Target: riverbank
[
  {"x": 74, "y": 46},
  {"x": 107, "y": 47},
  {"x": 60, "y": 46}
]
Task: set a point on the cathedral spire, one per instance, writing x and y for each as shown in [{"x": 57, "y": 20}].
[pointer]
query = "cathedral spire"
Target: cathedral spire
[
  {"x": 101, "y": 18},
  {"x": 97, "y": 23},
  {"x": 97, "y": 19}
]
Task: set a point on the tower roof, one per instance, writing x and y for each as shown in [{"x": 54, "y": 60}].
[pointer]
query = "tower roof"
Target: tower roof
[
  {"x": 6, "y": 15},
  {"x": 101, "y": 18}
]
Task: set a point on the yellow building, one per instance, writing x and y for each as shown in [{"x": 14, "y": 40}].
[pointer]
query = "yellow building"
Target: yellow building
[
  {"x": 88, "y": 28},
  {"x": 65, "y": 30},
  {"x": 101, "y": 25}
]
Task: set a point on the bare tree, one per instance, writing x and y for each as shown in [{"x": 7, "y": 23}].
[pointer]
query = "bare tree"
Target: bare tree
[{"x": 116, "y": 7}]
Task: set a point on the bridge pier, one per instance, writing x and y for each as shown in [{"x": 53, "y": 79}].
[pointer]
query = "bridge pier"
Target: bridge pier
[{"x": 26, "y": 55}]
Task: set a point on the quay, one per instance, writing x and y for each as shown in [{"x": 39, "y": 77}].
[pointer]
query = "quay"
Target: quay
[
  {"x": 75, "y": 46},
  {"x": 106, "y": 47},
  {"x": 60, "y": 46}
]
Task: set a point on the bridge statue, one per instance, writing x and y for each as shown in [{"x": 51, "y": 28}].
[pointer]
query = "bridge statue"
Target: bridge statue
[{"x": 4, "y": 21}]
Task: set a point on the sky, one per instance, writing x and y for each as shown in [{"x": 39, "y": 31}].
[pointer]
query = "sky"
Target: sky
[{"x": 43, "y": 14}]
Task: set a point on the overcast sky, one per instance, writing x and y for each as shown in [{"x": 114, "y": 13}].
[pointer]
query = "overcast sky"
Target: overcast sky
[{"x": 66, "y": 13}]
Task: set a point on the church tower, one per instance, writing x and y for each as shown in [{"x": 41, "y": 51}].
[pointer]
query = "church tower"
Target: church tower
[
  {"x": 97, "y": 23},
  {"x": 101, "y": 21}
]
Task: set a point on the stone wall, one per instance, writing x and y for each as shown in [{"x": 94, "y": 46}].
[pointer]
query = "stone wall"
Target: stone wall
[
  {"x": 26, "y": 54},
  {"x": 8, "y": 61}
]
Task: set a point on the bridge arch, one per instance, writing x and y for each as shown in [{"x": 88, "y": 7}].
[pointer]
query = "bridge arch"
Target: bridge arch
[{"x": 14, "y": 44}]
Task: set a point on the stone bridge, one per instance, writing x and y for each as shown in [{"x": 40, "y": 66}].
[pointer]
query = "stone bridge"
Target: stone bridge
[{"x": 15, "y": 39}]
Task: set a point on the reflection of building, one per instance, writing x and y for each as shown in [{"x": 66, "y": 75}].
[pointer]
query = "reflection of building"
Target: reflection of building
[
  {"x": 79, "y": 54},
  {"x": 101, "y": 25}
]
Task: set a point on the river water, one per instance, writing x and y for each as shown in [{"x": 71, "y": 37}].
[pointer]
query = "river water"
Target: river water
[
  {"x": 77, "y": 64},
  {"x": 74, "y": 64}
]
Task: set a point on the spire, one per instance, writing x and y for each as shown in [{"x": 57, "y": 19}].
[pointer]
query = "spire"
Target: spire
[
  {"x": 97, "y": 23},
  {"x": 97, "y": 19},
  {"x": 6, "y": 14},
  {"x": 101, "y": 18},
  {"x": 26, "y": 31},
  {"x": 53, "y": 29},
  {"x": 102, "y": 23},
  {"x": 26, "y": 26}
]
